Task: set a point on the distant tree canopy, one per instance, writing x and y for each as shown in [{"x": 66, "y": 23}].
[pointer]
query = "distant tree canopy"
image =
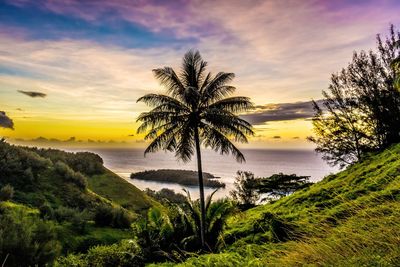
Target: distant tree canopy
[
  {"x": 84, "y": 162},
  {"x": 360, "y": 111},
  {"x": 245, "y": 192},
  {"x": 280, "y": 185},
  {"x": 166, "y": 196}
]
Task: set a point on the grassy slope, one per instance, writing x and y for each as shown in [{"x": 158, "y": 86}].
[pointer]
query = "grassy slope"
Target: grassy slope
[
  {"x": 50, "y": 187},
  {"x": 116, "y": 189},
  {"x": 347, "y": 219}
]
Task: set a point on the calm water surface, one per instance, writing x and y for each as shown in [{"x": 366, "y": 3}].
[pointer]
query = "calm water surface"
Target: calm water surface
[{"x": 262, "y": 162}]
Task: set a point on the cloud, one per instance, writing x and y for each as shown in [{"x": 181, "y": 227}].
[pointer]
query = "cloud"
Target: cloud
[
  {"x": 72, "y": 141},
  {"x": 33, "y": 93},
  {"x": 280, "y": 112},
  {"x": 5, "y": 121},
  {"x": 276, "y": 137}
]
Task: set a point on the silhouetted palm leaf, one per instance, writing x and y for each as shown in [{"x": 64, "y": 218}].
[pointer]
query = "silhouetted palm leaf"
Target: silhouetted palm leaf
[{"x": 196, "y": 111}]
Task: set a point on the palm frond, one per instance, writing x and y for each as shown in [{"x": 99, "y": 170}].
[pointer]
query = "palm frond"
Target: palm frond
[
  {"x": 219, "y": 142},
  {"x": 157, "y": 119},
  {"x": 228, "y": 123},
  {"x": 170, "y": 80},
  {"x": 233, "y": 104},
  {"x": 193, "y": 67},
  {"x": 163, "y": 141},
  {"x": 185, "y": 146},
  {"x": 217, "y": 89},
  {"x": 209, "y": 198},
  {"x": 157, "y": 100}
]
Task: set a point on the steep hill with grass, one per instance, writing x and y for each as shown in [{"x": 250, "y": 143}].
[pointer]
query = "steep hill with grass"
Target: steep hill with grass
[
  {"x": 100, "y": 180},
  {"x": 347, "y": 219},
  {"x": 70, "y": 201}
]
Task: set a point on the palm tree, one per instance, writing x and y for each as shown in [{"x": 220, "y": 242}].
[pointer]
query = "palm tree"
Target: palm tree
[{"x": 195, "y": 111}]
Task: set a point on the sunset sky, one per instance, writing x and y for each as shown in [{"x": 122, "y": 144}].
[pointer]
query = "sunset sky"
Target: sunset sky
[{"x": 73, "y": 70}]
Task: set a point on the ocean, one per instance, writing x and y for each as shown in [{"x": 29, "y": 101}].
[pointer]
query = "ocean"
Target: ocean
[{"x": 262, "y": 162}]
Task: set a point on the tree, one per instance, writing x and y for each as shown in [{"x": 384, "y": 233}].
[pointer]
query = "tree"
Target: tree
[
  {"x": 360, "y": 111},
  {"x": 245, "y": 191},
  {"x": 280, "y": 185},
  {"x": 396, "y": 67},
  {"x": 195, "y": 111}
]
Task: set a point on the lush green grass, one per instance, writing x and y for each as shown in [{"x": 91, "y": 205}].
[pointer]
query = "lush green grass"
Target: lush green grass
[
  {"x": 347, "y": 219},
  {"x": 116, "y": 189}
]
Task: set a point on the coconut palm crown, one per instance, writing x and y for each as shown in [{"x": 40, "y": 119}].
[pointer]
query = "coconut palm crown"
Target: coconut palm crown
[{"x": 195, "y": 111}]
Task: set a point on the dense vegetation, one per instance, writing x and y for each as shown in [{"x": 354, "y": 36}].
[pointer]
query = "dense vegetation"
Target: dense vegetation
[
  {"x": 353, "y": 212},
  {"x": 54, "y": 210},
  {"x": 347, "y": 219},
  {"x": 360, "y": 111},
  {"x": 182, "y": 177}
]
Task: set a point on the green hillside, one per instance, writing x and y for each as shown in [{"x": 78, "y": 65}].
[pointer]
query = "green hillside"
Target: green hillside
[
  {"x": 121, "y": 192},
  {"x": 100, "y": 180},
  {"x": 347, "y": 219},
  {"x": 53, "y": 203}
]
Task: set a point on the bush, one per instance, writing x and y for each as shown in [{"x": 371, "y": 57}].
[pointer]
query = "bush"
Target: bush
[
  {"x": 77, "y": 218},
  {"x": 166, "y": 196},
  {"x": 121, "y": 218},
  {"x": 27, "y": 240},
  {"x": 46, "y": 211},
  {"x": 6, "y": 192},
  {"x": 70, "y": 175},
  {"x": 72, "y": 260},
  {"x": 106, "y": 215},
  {"x": 103, "y": 215},
  {"x": 125, "y": 254}
]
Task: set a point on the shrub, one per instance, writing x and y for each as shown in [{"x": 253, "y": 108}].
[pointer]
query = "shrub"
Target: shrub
[
  {"x": 166, "y": 196},
  {"x": 77, "y": 218},
  {"x": 103, "y": 215},
  {"x": 125, "y": 254},
  {"x": 72, "y": 260},
  {"x": 70, "y": 175},
  {"x": 106, "y": 215},
  {"x": 6, "y": 192},
  {"x": 46, "y": 211},
  {"x": 27, "y": 240},
  {"x": 121, "y": 218}
]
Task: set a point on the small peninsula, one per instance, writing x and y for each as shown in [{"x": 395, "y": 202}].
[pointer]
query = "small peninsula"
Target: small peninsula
[{"x": 182, "y": 177}]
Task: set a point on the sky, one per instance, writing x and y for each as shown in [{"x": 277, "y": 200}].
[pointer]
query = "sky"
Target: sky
[{"x": 71, "y": 71}]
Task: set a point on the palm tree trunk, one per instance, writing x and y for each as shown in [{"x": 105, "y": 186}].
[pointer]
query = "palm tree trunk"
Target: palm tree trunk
[{"x": 201, "y": 187}]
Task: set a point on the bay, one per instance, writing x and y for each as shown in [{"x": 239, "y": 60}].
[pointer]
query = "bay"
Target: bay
[{"x": 262, "y": 162}]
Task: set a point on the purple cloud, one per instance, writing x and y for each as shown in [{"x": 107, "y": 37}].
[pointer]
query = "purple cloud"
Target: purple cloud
[
  {"x": 281, "y": 112},
  {"x": 5, "y": 121}
]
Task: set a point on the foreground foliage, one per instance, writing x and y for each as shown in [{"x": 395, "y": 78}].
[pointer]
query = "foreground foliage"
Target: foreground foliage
[{"x": 347, "y": 219}]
